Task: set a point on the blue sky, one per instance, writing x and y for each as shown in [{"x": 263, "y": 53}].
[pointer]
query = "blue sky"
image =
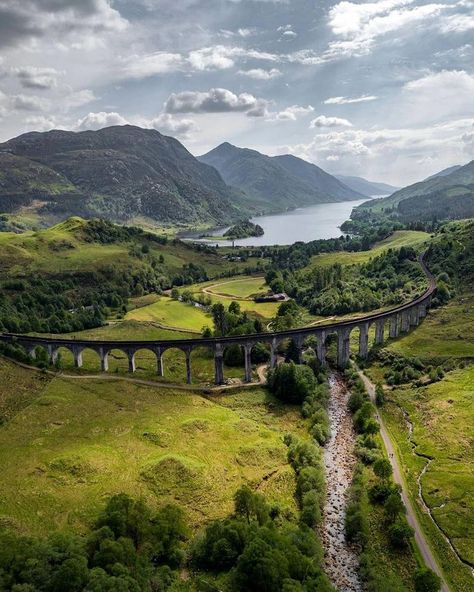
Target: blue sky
[{"x": 380, "y": 89}]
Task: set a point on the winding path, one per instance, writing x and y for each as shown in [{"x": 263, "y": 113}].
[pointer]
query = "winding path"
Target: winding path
[{"x": 412, "y": 518}]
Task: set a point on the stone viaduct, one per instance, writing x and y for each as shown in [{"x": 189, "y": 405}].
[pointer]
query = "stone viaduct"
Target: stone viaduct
[{"x": 399, "y": 319}]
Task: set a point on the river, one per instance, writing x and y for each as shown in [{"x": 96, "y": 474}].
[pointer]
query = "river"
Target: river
[
  {"x": 341, "y": 558},
  {"x": 302, "y": 224}
]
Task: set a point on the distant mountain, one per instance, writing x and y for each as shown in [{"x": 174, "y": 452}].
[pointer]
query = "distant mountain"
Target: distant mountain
[
  {"x": 119, "y": 173},
  {"x": 445, "y": 172},
  {"x": 276, "y": 183},
  {"x": 446, "y": 195},
  {"x": 369, "y": 188}
]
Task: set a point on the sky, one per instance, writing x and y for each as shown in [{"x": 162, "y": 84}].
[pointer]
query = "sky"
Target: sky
[{"x": 381, "y": 89}]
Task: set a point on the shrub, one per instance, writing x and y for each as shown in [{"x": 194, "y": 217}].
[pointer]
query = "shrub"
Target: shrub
[
  {"x": 400, "y": 533},
  {"x": 427, "y": 581}
]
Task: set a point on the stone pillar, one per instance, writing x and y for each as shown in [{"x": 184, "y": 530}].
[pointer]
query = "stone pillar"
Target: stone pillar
[
  {"x": 104, "y": 359},
  {"x": 32, "y": 351},
  {"x": 379, "y": 331},
  {"x": 298, "y": 341},
  {"x": 321, "y": 348},
  {"x": 248, "y": 362},
  {"x": 405, "y": 321},
  {"x": 422, "y": 311},
  {"x": 343, "y": 347},
  {"x": 131, "y": 361},
  {"x": 273, "y": 353},
  {"x": 394, "y": 326},
  {"x": 219, "y": 364},
  {"x": 414, "y": 316},
  {"x": 363, "y": 340},
  {"x": 77, "y": 353},
  {"x": 188, "y": 365},
  {"x": 159, "y": 363},
  {"x": 53, "y": 354}
]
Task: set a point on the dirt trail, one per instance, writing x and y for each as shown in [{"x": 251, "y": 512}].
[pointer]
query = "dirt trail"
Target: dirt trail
[
  {"x": 412, "y": 518},
  {"x": 341, "y": 559}
]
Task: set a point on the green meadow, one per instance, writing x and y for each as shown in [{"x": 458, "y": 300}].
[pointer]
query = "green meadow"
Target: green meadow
[
  {"x": 400, "y": 238},
  {"x": 79, "y": 441}
]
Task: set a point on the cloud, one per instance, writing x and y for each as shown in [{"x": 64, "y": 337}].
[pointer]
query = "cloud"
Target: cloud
[
  {"x": 261, "y": 74},
  {"x": 143, "y": 66},
  {"x": 438, "y": 95},
  {"x": 348, "y": 100},
  {"x": 37, "y": 78},
  {"x": 216, "y": 100},
  {"x": 29, "y": 19},
  {"x": 360, "y": 25},
  {"x": 323, "y": 121},
  {"x": 29, "y": 103},
  {"x": 95, "y": 121},
  {"x": 293, "y": 113},
  {"x": 169, "y": 125}
]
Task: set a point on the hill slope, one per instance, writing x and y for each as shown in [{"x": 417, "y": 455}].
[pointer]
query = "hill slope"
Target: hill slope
[
  {"x": 276, "y": 183},
  {"x": 369, "y": 188},
  {"x": 118, "y": 172},
  {"x": 444, "y": 196}
]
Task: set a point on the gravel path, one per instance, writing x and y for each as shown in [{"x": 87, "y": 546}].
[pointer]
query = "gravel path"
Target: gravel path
[{"x": 341, "y": 559}]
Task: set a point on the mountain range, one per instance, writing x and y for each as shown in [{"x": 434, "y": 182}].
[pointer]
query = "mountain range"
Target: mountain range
[
  {"x": 126, "y": 173},
  {"x": 369, "y": 188},
  {"x": 120, "y": 173},
  {"x": 447, "y": 194},
  {"x": 276, "y": 183}
]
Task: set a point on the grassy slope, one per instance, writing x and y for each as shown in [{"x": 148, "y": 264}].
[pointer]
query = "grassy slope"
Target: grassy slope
[
  {"x": 172, "y": 313},
  {"x": 41, "y": 252},
  {"x": 442, "y": 415},
  {"x": 79, "y": 442},
  {"x": 400, "y": 238}
]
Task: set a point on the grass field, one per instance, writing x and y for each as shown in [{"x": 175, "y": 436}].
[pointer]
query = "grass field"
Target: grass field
[
  {"x": 239, "y": 288},
  {"x": 80, "y": 441},
  {"x": 400, "y": 238},
  {"x": 172, "y": 313},
  {"x": 442, "y": 416},
  {"x": 447, "y": 332},
  {"x": 62, "y": 248}
]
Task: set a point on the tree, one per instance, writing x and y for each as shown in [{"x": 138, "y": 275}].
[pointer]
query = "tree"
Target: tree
[
  {"x": 394, "y": 506},
  {"x": 292, "y": 383},
  {"x": 234, "y": 307},
  {"x": 379, "y": 395},
  {"x": 175, "y": 294},
  {"x": 383, "y": 469},
  {"x": 426, "y": 580},
  {"x": 400, "y": 533}
]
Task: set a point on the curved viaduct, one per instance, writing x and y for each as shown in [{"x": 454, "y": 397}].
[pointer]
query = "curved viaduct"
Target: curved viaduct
[{"x": 399, "y": 319}]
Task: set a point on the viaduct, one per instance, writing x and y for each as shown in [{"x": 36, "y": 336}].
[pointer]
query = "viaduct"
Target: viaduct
[{"x": 399, "y": 319}]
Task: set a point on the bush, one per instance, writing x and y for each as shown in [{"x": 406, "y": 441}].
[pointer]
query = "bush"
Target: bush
[
  {"x": 292, "y": 383},
  {"x": 427, "y": 581},
  {"x": 400, "y": 533}
]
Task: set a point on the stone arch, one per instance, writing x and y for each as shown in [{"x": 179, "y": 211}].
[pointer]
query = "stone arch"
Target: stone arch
[
  {"x": 142, "y": 359},
  {"x": 174, "y": 363},
  {"x": 87, "y": 357},
  {"x": 64, "y": 356},
  {"x": 202, "y": 363}
]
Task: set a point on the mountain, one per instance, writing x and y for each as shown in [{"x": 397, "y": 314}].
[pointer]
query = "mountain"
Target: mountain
[
  {"x": 276, "y": 183},
  {"x": 369, "y": 188},
  {"x": 445, "y": 195},
  {"x": 444, "y": 172},
  {"x": 119, "y": 173}
]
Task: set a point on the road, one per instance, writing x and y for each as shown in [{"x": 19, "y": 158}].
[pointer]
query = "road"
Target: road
[{"x": 412, "y": 518}]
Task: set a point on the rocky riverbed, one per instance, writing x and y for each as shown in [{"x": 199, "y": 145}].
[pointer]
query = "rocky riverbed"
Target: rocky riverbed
[{"x": 341, "y": 559}]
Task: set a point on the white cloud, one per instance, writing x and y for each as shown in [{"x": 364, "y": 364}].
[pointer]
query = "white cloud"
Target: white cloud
[
  {"x": 348, "y": 100},
  {"x": 216, "y": 100},
  {"x": 37, "y": 78},
  {"x": 261, "y": 74},
  {"x": 95, "y": 121},
  {"x": 143, "y": 66},
  {"x": 323, "y": 121},
  {"x": 437, "y": 96},
  {"x": 29, "y": 103},
  {"x": 360, "y": 25},
  {"x": 293, "y": 113},
  {"x": 169, "y": 125}
]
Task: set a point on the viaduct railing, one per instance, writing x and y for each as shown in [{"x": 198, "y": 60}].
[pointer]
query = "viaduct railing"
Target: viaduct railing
[{"x": 399, "y": 319}]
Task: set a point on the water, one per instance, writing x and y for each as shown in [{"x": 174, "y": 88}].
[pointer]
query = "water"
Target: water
[{"x": 302, "y": 224}]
